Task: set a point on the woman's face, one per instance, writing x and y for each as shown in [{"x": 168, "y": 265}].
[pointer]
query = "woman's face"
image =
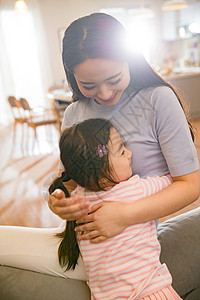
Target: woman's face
[{"x": 103, "y": 80}]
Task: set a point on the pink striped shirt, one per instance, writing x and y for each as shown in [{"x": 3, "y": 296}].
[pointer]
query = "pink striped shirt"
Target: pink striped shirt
[{"x": 126, "y": 266}]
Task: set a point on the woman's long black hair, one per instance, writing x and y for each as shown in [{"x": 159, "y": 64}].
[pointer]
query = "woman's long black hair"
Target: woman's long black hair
[
  {"x": 101, "y": 36},
  {"x": 79, "y": 153}
]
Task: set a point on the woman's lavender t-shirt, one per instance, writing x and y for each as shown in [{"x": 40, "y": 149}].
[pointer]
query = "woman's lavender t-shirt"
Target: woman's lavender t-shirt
[{"x": 153, "y": 126}]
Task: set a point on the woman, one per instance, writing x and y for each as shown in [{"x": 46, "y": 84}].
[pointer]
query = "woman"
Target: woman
[{"x": 109, "y": 81}]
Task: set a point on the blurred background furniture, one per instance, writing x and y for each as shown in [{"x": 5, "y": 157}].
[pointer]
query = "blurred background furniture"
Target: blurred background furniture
[
  {"x": 18, "y": 118},
  {"x": 39, "y": 116},
  {"x": 60, "y": 98}
]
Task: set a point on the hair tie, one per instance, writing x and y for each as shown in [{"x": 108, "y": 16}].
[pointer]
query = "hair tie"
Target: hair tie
[
  {"x": 102, "y": 151},
  {"x": 65, "y": 176}
]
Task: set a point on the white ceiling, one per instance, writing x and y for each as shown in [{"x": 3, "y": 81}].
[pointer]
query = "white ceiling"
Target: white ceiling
[{"x": 137, "y": 3}]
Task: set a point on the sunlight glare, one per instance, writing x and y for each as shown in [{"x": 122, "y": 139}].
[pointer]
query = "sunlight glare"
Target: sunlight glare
[
  {"x": 141, "y": 34},
  {"x": 140, "y": 38}
]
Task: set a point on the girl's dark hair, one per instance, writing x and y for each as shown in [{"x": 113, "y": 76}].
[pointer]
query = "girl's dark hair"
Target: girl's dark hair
[
  {"x": 79, "y": 146},
  {"x": 101, "y": 36},
  {"x": 68, "y": 251},
  {"x": 80, "y": 156}
]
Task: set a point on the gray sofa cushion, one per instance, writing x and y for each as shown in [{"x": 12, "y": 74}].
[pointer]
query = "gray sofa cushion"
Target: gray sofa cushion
[
  {"x": 193, "y": 295},
  {"x": 180, "y": 244},
  {"x": 18, "y": 284}
]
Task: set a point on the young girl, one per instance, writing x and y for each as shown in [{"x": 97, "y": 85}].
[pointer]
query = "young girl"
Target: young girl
[{"x": 126, "y": 266}]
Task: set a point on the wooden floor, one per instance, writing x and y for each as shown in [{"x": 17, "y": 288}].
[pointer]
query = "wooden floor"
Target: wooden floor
[{"x": 25, "y": 175}]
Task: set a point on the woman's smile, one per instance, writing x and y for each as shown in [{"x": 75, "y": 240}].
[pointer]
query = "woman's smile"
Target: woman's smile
[
  {"x": 103, "y": 80},
  {"x": 110, "y": 99}
]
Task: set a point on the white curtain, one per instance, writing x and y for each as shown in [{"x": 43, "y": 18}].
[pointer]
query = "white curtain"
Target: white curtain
[{"x": 24, "y": 61}]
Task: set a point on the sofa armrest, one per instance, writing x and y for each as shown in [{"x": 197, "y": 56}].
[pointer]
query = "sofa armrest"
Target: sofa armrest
[{"x": 180, "y": 243}]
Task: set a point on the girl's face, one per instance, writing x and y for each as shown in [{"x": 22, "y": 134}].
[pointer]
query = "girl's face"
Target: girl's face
[
  {"x": 119, "y": 157},
  {"x": 103, "y": 80}
]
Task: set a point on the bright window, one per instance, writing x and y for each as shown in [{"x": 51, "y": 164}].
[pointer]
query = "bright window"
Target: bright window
[{"x": 22, "y": 55}]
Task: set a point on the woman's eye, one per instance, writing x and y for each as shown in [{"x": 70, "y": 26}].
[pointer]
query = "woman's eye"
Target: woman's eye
[
  {"x": 88, "y": 88},
  {"x": 115, "y": 82},
  {"x": 123, "y": 152}
]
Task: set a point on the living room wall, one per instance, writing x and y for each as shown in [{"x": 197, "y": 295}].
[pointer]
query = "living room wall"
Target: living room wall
[{"x": 57, "y": 15}]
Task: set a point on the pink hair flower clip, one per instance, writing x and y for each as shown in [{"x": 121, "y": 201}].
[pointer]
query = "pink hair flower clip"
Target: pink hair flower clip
[{"x": 102, "y": 150}]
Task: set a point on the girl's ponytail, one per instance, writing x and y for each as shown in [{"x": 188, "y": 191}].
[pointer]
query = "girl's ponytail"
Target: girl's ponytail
[{"x": 68, "y": 251}]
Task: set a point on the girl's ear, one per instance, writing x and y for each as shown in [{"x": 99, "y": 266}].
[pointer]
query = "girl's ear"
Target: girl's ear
[
  {"x": 103, "y": 182},
  {"x": 106, "y": 183}
]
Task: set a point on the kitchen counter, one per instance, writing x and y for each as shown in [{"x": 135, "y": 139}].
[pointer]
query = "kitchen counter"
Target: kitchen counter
[
  {"x": 183, "y": 72},
  {"x": 182, "y": 75}
]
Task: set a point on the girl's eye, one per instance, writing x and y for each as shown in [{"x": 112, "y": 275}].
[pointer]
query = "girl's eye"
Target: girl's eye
[
  {"x": 123, "y": 152},
  {"x": 88, "y": 88},
  {"x": 115, "y": 82}
]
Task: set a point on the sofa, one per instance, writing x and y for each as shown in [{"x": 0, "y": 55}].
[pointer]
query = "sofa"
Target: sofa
[{"x": 178, "y": 237}]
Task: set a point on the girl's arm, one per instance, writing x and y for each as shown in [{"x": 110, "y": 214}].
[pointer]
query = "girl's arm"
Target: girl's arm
[{"x": 108, "y": 219}]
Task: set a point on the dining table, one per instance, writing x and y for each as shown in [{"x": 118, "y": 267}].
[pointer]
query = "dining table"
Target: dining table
[{"x": 60, "y": 99}]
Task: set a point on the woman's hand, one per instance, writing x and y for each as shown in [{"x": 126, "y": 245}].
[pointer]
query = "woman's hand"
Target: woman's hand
[
  {"x": 104, "y": 221},
  {"x": 70, "y": 208}
]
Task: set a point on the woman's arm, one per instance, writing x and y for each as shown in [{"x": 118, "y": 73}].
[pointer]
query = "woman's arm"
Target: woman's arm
[
  {"x": 111, "y": 218},
  {"x": 182, "y": 192},
  {"x": 70, "y": 208}
]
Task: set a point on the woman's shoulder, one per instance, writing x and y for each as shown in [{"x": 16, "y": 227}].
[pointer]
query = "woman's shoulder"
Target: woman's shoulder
[
  {"x": 158, "y": 91},
  {"x": 162, "y": 91},
  {"x": 71, "y": 108},
  {"x": 74, "y": 113},
  {"x": 164, "y": 97},
  {"x": 160, "y": 97},
  {"x": 74, "y": 105},
  {"x": 155, "y": 98},
  {"x": 68, "y": 113}
]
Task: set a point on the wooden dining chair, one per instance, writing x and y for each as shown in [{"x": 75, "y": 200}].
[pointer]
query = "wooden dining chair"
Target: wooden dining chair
[
  {"x": 39, "y": 116},
  {"x": 18, "y": 118}
]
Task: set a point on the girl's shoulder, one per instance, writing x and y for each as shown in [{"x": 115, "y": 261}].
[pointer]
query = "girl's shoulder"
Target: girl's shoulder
[
  {"x": 132, "y": 181},
  {"x": 126, "y": 185}
]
